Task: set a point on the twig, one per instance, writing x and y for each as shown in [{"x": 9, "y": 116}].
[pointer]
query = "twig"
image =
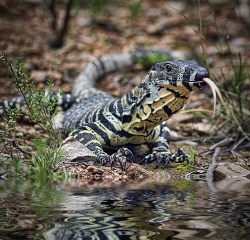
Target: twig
[
  {"x": 236, "y": 145},
  {"x": 223, "y": 142},
  {"x": 211, "y": 168},
  {"x": 15, "y": 144}
]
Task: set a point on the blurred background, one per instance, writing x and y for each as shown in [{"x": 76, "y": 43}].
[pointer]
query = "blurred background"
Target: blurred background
[{"x": 57, "y": 38}]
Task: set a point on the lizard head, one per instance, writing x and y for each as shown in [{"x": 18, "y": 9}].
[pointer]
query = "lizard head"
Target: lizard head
[
  {"x": 178, "y": 74},
  {"x": 163, "y": 92}
]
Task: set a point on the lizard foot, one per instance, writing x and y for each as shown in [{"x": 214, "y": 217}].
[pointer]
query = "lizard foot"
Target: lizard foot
[
  {"x": 163, "y": 157},
  {"x": 122, "y": 156},
  {"x": 181, "y": 156}
]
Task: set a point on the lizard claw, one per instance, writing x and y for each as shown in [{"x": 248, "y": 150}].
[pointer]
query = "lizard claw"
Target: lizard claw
[
  {"x": 121, "y": 160},
  {"x": 181, "y": 156},
  {"x": 163, "y": 158},
  {"x": 126, "y": 153},
  {"x": 103, "y": 159},
  {"x": 148, "y": 159},
  {"x": 122, "y": 156}
]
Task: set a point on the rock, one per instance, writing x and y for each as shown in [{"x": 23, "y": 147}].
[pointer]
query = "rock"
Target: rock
[
  {"x": 74, "y": 151},
  {"x": 153, "y": 12},
  {"x": 90, "y": 168},
  {"x": 231, "y": 170},
  {"x": 3, "y": 175},
  {"x": 239, "y": 44},
  {"x": 174, "y": 7},
  {"x": 58, "y": 120},
  {"x": 163, "y": 24},
  {"x": 86, "y": 169},
  {"x": 98, "y": 171},
  {"x": 203, "y": 127},
  {"x": 243, "y": 10},
  {"x": 231, "y": 176},
  {"x": 42, "y": 75}
]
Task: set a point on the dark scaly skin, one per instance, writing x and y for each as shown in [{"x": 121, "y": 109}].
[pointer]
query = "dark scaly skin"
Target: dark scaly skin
[{"x": 100, "y": 121}]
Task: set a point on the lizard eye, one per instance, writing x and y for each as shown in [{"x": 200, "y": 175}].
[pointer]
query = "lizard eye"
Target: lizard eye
[{"x": 168, "y": 67}]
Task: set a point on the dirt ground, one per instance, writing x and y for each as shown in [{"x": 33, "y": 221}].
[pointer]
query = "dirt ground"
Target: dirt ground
[{"x": 215, "y": 32}]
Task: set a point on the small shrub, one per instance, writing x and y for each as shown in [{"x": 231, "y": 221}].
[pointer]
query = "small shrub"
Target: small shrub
[
  {"x": 192, "y": 158},
  {"x": 44, "y": 160},
  {"x": 40, "y": 110}
]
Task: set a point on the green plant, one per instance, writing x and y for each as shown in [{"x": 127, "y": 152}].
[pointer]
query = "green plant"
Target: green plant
[
  {"x": 235, "y": 116},
  {"x": 231, "y": 126},
  {"x": 16, "y": 165},
  {"x": 236, "y": 93},
  {"x": 40, "y": 110},
  {"x": 9, "y": 126},
  {"x": 44, "y": 160},
  {"x": 192, "y": 159},
  {"x": 153, "y": 58},
  {"x": 96, "y": 7},
  {"x": 40, "y": 105},
  {"x": 135, "y": 8},
  {"x": 181, "y": 169},
  {"x": 8, "y": 132}
]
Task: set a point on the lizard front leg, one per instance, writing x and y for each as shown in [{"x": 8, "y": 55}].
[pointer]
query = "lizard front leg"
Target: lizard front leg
[
  {"x": 94, "y": 137},
  {"x": 161, "y": 152}
]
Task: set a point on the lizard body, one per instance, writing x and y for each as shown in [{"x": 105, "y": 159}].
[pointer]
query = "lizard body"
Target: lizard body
[{"x": 99, "y": 121}]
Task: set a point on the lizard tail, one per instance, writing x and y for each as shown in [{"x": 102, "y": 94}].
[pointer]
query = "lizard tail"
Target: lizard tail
[
  {"x": 109, "y": 63},
  {"x": 61, "y": 102},
  {"x": 92, "y": 73}
]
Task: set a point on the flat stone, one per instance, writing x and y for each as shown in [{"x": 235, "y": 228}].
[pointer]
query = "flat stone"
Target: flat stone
[
  {"x": 42, "y": 76},
  {"x": 231, "y": 176},
  {"x": 231, "y": 170},
  {"x": 74, "y": 151}
]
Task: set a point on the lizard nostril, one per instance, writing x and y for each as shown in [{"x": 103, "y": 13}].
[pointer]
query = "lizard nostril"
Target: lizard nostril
[{"x": 201, "y": 73}]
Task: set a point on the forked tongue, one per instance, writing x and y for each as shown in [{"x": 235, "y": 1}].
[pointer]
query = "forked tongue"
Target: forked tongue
[{"x": 215, "y": 90}]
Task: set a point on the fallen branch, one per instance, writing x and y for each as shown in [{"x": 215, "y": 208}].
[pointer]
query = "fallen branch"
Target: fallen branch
[{"x": 212, "y": 167}]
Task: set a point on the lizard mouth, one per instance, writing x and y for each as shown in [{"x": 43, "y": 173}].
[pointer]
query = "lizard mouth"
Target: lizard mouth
[
  {"x": 198, "y": 80},
  {"x": 216, "y": 92},
  {"x": 201, "y": 82}
]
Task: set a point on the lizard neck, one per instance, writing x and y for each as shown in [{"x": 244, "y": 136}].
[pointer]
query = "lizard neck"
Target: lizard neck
[{"x": 152, "y": 105}]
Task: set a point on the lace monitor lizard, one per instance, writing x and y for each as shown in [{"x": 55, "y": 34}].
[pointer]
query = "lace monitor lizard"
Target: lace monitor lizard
[{"x": 100, "y": 121}]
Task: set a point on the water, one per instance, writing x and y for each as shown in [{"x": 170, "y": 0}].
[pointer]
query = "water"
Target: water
[{"x": 76, "y": 210}]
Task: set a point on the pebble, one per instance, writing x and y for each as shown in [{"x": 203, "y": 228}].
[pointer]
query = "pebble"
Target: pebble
[{"x": 98, "y": 171}]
